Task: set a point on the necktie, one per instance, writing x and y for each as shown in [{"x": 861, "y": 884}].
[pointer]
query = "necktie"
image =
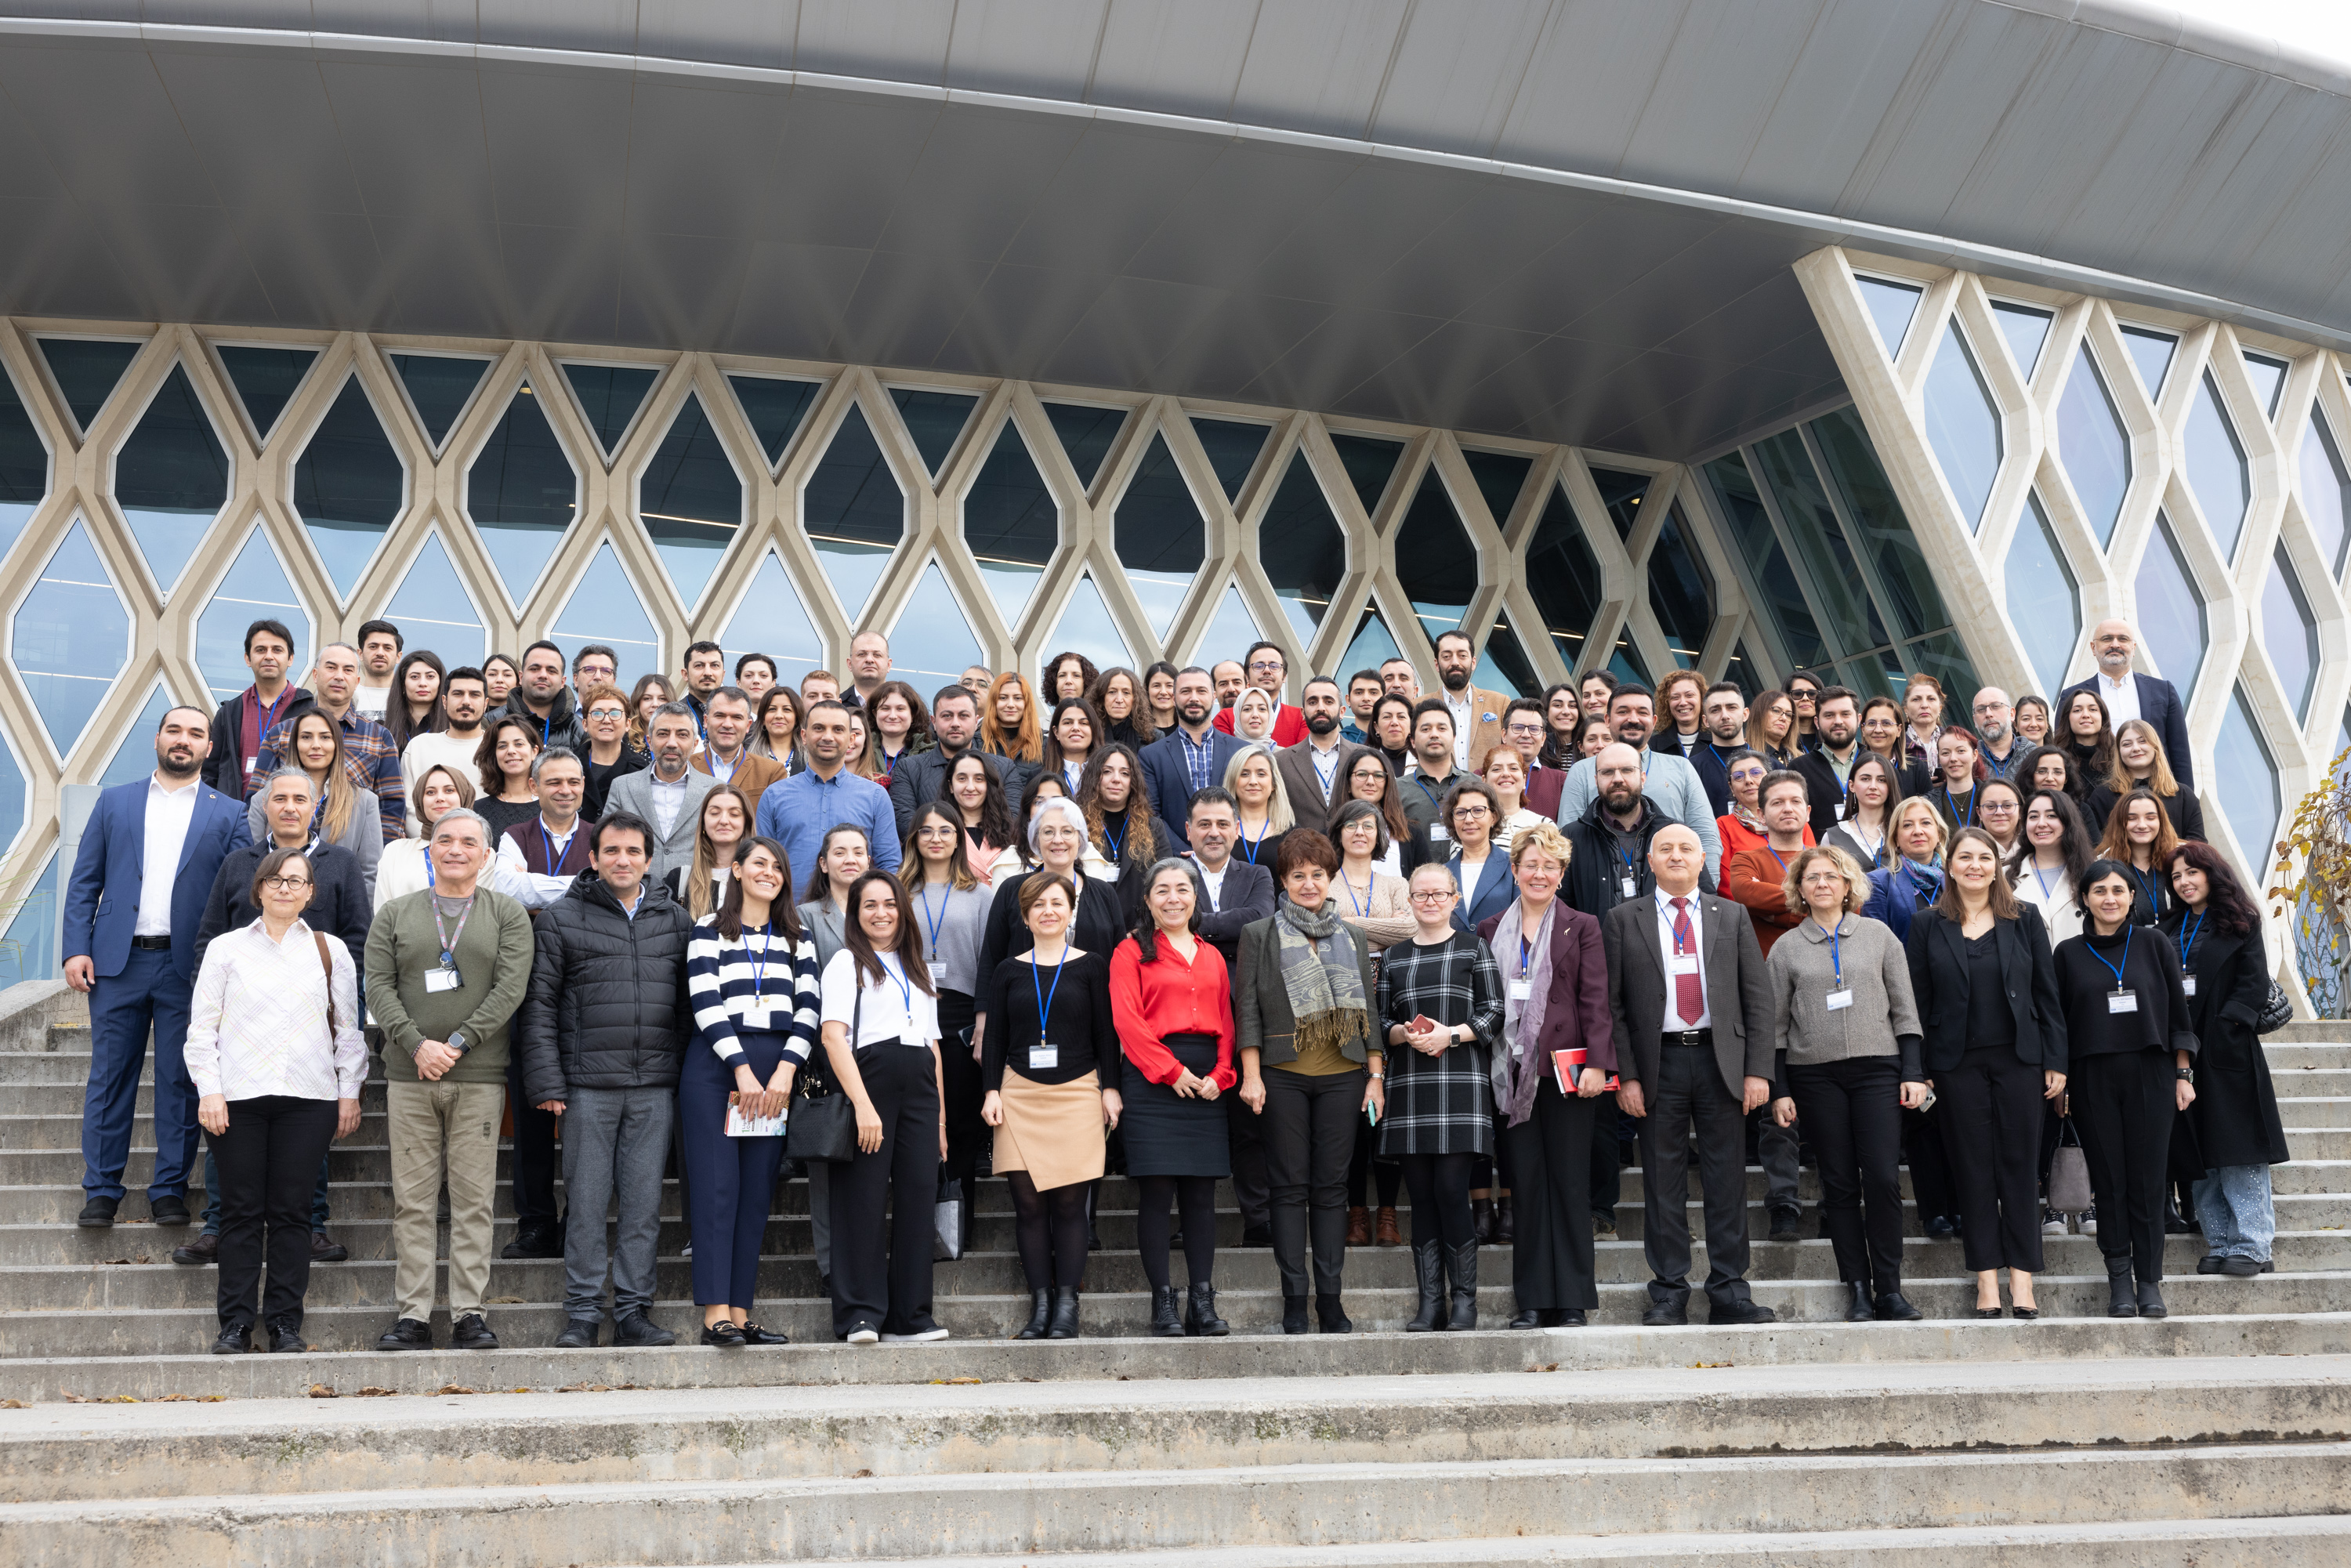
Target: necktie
[{"x": 1690, "y": 994}]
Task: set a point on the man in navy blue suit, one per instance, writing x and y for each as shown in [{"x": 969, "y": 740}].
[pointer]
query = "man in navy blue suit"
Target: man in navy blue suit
[
  {"x": 1189, "y": 757},
  {"x": 148, "y": 860},
  {"x": 2128, "y": 696}
]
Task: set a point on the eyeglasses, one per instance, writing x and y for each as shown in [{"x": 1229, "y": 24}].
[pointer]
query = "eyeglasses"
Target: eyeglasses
[
  {"x": 285, "y": 884},
  {"x": 1459, "y": 811},
  {"x": 1432, "y": 895},
  {"x": 1262, "y": 666},
  {"x": 615, "y": 714}
]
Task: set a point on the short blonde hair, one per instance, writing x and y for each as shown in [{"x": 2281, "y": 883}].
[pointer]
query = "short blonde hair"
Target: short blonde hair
[
  {"x": 1856, "y": 881},
  {"x": 1544, "y": 836}
]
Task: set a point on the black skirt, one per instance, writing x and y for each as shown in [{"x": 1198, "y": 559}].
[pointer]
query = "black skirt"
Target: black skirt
[{"x": 1166, "y": 1134}]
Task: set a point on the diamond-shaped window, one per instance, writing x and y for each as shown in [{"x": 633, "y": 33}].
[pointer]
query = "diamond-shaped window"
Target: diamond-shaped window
[
  {"x": 1503, "y": 665},
  {"x": 2248, "y": 784},
  {"x": 2290, "y": 632},
  {"x": 2325, "y": 492},
  {"x": 933, "y": 643},
  {"x": 1626, "y": 662},
  {"x": 2150, "y": 353},
  {"x": 1373, "y": 645},
  {"x": 2173, "y": 624},
  {"x": 1011, "y": 522},
  {"x": 2025, "y": 329},
  {"x": 1370, "y": 462},
  {"x": 1436, "y": 560},
  {"x": 1881, "y": 528},
  {"x": 606, "y": 607},
  {"x": 772, "y": 619},
  {"x": 1890, "y": 306},
  {"x": 933, "y": 419},
  {"x": 87, "y": 371},
  {"x": 1819, "y": 541},
  {"x": 610, "y": 396},
  {"x": 1563, "y": 577},
  {"x": 2268, "y": 377},
  {"x": 1161, "y": 538},
  {"x": 134, "y": 755},
  {"x": 439, "y": 386},
  {"x": 2042, "y": 597},
  {"x": 171, "y": 478},
  {"x": 2094, "y": 445},
  {"x": 13, "y": 796},
  {"x": 522, "y": 493},
  {"x": 1500, "y": 475},
  {"x": 1963, "y": 425},
  {"x": 691, "y": 499},
  {"x": 1086, "y": 627},
  {"x": 254, "y": 587},
  {"x": 1620, "y": 496},
  {"x": 29, "y": 950},
  {"x": 2217, "y": 469},
  {"x": 1784, "y": 605},
  {"x": 775, "y": 405},
  {"x": 433, "y": 604},
  {"x": 854, "y": 512},
  {"x": 1232, "y": 446},
  {"x": 24, "y": 469},
  {"x": 70, "y": 637},
  {"x": 349, "y": 485},
  {"x": 1087, "y": 432},
  {"x": 266, "y": 378},
  {"x": 1303, "y": 547},
  {"x": 1681, "y": 589},
  {"x": 1230, "y": 632}
]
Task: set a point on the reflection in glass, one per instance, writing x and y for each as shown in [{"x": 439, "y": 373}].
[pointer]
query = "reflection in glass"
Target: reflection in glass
[
  {"x": 1891, "y": 306},
  {"x": 1744, "y": 672},
  {"x": 24, "y": 467},
  {"x": 1503, "y": 665},
  {"x": 2268, "y": 377},
  {"x": 1750, "y": 529},
  {"x": 2094, "y": 445},
  {"x": 433, "y": 608},
  {"x": 1434, "y": 558},
  {"x": 2248, "y": 789},
  {"x": 439, "y": 387},
  {"x": 69, "y": 638},
  {"x": 1942, "y": 656},
  {"x": 87, "y": 371},
  {"x": 2172, "y": 625},
  {"x": 2041, "y": 603},
  {"x": 772, "y": 619},
  {"x": 348, "y": 487},
  {"x": 13, "y": 796},
  {"x": 1563, "y": 576},
  {"x": 1882, "y": 530},
  {"x": 1963, "y": 425},
  {"x": 1369, "y": 460},
  {"x": 2025, "y": 329},
  {"x": 2150, "y": 353},
  {"x": 1303, "y": 547},
  {"x": 854, "y": 512},
  {"x": 1159, "y": 535},
  {"x": 256, "y": 588},
  {"x": 931, "y": 644},
  {"x": 1372, "y": 647},
  {"x": 605, "y": 607},
  {"x": 933, "y": 419},
  {"x": 1011, "y": 522},
  {"x": 29, "y": 950},
  {"x": 2217, "y": 470},
  {"x": 134, "y": 755},
  {"x": 1500, "y": 475},
  {"x": 521, "y": 493},
  {"x": 1621, "y": 494},
  {"x": 1228, "y": 636},
  {"x": 610, "y": 396},
  {"x": 1232, "y": 446},
  {"x": 1681, "y": 592},
  {"x": 1819, "y": 541},
  {"x": 1626, "y": 662},
  {"x": 2290, "y": 632},
  {"x": 171, "y": 478},
  {"x": 774, "y": 405},
  {"x": 1087, "y": 434},
  {"x": 265, "y": 379},
  {"x": 691, "y": 499},
  {"x": 1086, "y": 627},
  {"x": 2325, "y": 492}
]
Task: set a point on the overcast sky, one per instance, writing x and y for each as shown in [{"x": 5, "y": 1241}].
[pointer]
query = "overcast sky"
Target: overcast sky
[{"x": 2321, "y": 26}]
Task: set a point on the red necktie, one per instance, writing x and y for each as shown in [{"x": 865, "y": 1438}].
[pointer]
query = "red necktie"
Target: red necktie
[{"x": 1690, "y": 992}]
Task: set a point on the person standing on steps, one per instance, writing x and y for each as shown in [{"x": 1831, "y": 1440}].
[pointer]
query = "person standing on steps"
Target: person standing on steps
[
  {"x": 1234, "y": 895},
  {"x": 233, "y": 766},
  {"x": 668, "y": 794},
  {"x": 543, "y": 699},
  {"x": 1190, "y": 757},
  {"x": 2127, "y": 696},
  {"x": 726, "y": 754},
  {"x": 456, "y": 745},
  {"x": 601, "y": 1030},
  {"x": 1757, "y": 879},
  {"x": 922, "y": 777},
  {"x": 1692, "y": 1018},
  {"x": 445, "y": 970},
  {"x": 798, "y": 811},
  {"x": 1667, "y": 779},
  {"x": 380, "y": 648},
  {"x": 374, "y": 763},
  {"x": 950, "y": 905},
  {"x": 133, "y": 904}
]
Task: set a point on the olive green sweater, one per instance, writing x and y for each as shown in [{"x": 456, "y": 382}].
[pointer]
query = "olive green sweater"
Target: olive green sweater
[{"x": 493, "y": 960}]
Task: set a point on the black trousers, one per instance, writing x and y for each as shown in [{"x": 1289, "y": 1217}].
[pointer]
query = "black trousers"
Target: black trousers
[
  {"x": 1607, "y": 1158},
  {"x": 960, "y": 1086},
  {"x": 1852, "y": 1112},
  {"x": 534, "y": 1152},
  {"x": 269, "y": 1161},
  {"x": 1989, "y": 1113},
  {"x": 1309, "y": 1134},
  {"x": 1932, "y": 1181},
  {"x": 2123, "y": 1107},
  {"x": 1252, "y": 1184},
  {"x": 881, "y": 1260},
  {"x": 1365, "y": 1165},
  {"x": 1551, "y": 1177},
  {"x": 1688, "y": 1099}
]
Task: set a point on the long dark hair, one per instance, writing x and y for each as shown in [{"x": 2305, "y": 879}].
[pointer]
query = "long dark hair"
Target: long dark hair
[
  {"x": 1391, "y": 801},
  {"x": 2073, "y": 839},
  {"x": 1146, "y": 927},
  {"x": 1095, "y": 725},
  {"x": 1558, "y": 750},
  {"x": 1138, "y": 720},
  {"x": 486, "y": 755},
  {"x": 819, "y": 887},
  {"x": 1050, "y": 677},
  {"x": 781, "y": 913},
  {"x": 909, "y": 948},
  {"x": 2232, "y": 909},
  {"x": 395, "y": 708},
  {"x": 2101, "y": 758},
  {"x": 1996, "y": 893},
  {"x": 910, "y": 858},
  {"x": 996, "y": 824},
  {"x": 2076, "y": 786},
  {"x": 1893, "y": 788},
  {"x": 1140, "y": 840}
]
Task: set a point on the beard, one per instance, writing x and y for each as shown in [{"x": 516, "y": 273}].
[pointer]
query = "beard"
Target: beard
[{"x": 1456, "y": 680}]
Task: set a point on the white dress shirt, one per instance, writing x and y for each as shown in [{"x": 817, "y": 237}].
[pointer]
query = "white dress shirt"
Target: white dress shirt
[
  {"x": 169, "y": 814},
  {"x": 1464, "y": 710},
  {"x": 257, "y": 1022},
  {"x": 1215, "y": 881},
  {"x": 542, "y": 890},
  {"x": 2121, "y": 698},
  {"x": 1326, "y": 763},
  {"x": 890, "y": 1010},
  {"x": 1665, "y": 912},
  {"x": 668, "y": 800}
]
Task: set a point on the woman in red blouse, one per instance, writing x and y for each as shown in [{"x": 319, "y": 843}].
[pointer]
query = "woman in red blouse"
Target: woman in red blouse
[{"x": 1173, "y": 1004}]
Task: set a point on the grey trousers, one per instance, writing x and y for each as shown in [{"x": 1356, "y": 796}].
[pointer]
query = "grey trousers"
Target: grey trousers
[
  {"x": 616, "y": 1144},
  {"x": 1775, "y": 1151}
]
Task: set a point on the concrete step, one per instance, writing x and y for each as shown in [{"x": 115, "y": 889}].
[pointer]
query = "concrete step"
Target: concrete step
[{"x": 64, "y": 1099}]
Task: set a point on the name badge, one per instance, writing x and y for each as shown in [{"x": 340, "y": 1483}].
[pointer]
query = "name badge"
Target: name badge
[
  {"x": 756, "y": 1018},
  {"x": 442, "y": 980},
  {"x": 1681, "y": 963},
  {"x": 252, "y": 769},
  {"x": 1437, "y": 835},
  {"x": 2187, "y": 983},
  {"x": 1840, "y": 1000},
  {"x": 1044, "y": 1058},
  {"x": 2122, "y": 1001},
  {"x": 1627, "y": 888},
  {"x": 1522, "y": 990}
]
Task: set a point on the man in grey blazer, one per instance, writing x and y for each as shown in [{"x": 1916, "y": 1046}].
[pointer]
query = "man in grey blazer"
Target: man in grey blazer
[
  {"x": 669, "y": 793},
  {"x": 1694, "y": 1021}
]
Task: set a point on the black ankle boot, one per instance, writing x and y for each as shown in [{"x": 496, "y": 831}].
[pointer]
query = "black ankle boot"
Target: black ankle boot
[
  {"x": 1040, "y": 1308},
  {"x": 1506, "y": 1224},
  {"x": 2121, "y": 1302},
  {"x": 1463, "y": 1267},
  {"x": 1201, "y": 1318},
  {"x": 1064, "y": 1324},
  {"x": 1481, "y": 1220},
  {"x": 1334, "y": 1320},
  {"x": 1860, "y": 1309},
  {"x": 2150, "y": 1300},
  {"x": 1293, "y": 1315},
  {"x": 1428, "y": 1271},
  {"x": 1166, "y": 1323}
]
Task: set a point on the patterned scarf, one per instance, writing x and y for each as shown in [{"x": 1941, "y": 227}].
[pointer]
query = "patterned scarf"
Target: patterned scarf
[
  {"x": 1519, "y": 1067},
  {"x": 1320, "y": 974}
]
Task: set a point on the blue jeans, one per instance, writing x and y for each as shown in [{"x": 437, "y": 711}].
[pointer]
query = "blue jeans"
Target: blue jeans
[{"x": 2234, "y": 1207}]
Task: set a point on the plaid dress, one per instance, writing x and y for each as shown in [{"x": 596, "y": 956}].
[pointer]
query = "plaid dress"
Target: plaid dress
[{"x": 1445, "y": 1105}]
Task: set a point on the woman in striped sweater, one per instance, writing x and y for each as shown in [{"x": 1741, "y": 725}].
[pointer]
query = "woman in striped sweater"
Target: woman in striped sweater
[{"x": 751, "y": 972}]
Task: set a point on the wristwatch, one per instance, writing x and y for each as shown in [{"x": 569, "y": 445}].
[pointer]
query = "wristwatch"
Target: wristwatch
[
  {"x": 456, "y": 1042},
  {"x": 2186, "y": 1074}
]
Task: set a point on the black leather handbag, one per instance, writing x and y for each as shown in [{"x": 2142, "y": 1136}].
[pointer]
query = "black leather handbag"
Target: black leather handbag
[
  {"x": 823, "y": 1123},
  {"x": 2276, "y": 1012}
]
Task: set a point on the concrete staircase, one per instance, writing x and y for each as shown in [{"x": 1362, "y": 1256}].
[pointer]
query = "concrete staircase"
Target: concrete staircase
[{"x": 2222, "y": 1435}]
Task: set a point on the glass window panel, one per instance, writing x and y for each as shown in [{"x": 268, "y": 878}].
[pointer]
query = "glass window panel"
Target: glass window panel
[
  {"x": 1564, "y": 578},
  {"x": 773, "y": 619},
  {"x": 1303, "y": 547},
  {"x": 2249, "y": 784},
  {"x": 1435, "y": 560},
  {"x": 1882, "y": 528},
  {"x": 1503, "y": 665},
  {"x": 1744, "y": 671},
  {"x": 1086, "y": 627},
  {"x": 1621, "y": 495},
  {"x": 2041, "y": 602},
  {"x": 1944, "y": 657},
  {"x": 2171, "y": 618},
  {"x": 775, "y": 406},
  {"x": 2025, "y": 329},
  {"x": 2217, "y": 470},
  {"x": 2343, "y": 736},
  {"x": 1681, "y": 591},
  {"x": 87, "y": 371},
  {"x": 1891, "y": 306},
  {"x": 1369, "y": 461},
  {"x": 2094, "y": 445},
  {"x": 1373, "y": 645},
  {"x": 134, "y": 755},
  {"x": 1627, "y": 663},
  {"x": 1500, "y": 475},
  {"x": 933, "y": 419},
  {"x": 691, "y": 499},
  {"x": 265, "y": 379},
  {"x": 1160, "y": 538},
  {"x": 522, "y": 493},
  {"x": 2325, "y": 491},
  {"x": 1963, "y": 425},
  {"x": 1087, "y": 434},
  {"x": 605, "y": 607},
  {"x": 1011, "y": 522},
  {"x": 348, "y": 487},
  {"x": 23, "y": 464},
  {"x": 931, "y": 644},
  {"x": 14, "y": 798},
  {"x": 1232, "y": 446},
  {"x": 610, "y": 396},
  {"x": 254, "y": 587},
  {"x": 2150, "y": 353},
  {"x": 171, "y": 478},
  {"x": 70, "y": 637},
  {"x": 1750, "y": 529},
  {"x": 854, "y": 512},
  {"x": 2269, "y": 379},
  {"x": 29, "y": 950},
  {"x": 439, "y": 387},
  {"x": 1228, "y": 636},
  {"x": 1819, "y": 540},
  {"x": 2290, "y": 632},
  {"x": 432, "y": 603}
]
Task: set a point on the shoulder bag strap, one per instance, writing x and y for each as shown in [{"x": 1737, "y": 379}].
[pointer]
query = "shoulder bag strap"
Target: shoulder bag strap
[{"x": 328, "y": 964}]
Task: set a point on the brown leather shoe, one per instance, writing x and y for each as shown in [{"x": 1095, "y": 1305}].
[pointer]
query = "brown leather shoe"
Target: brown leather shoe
[
  {"x": 1359, "y": 1228},
  {"x": 324, "y": 1248},
  {"x": 1384, "y": 1230},
  {"x": 201, "y": 1251}
]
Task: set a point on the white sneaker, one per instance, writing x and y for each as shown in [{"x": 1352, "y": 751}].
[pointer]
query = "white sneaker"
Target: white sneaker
[
  {"x": 2088, "y": 1223},
  {"x": 934, "y": 1332},
  {"x": 2051, "y": 1223},
  {"x": 862, "y": 1335}
]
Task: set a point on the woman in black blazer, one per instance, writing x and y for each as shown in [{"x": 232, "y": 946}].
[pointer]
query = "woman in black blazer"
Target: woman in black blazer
[
  {"x": 1471, "y": 811},
  {"x": 1986, "y": 987},
  {"x": 2139, "y": 765}
]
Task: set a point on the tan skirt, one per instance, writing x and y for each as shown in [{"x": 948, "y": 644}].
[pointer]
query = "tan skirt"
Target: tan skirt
[{"x": 1052, "y": 1131}]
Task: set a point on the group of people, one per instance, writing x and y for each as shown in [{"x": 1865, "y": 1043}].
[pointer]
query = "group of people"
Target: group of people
[{"x": 1170, "y": 924}]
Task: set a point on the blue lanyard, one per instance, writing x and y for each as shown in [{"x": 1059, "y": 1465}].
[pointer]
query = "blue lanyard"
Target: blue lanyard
[
  {"x": 2042, "y": 878},
  {"x": 1524, "y": 949},
  {"x": 2115, "y": 969},
  {"x": 1422, "y": 779},
  {"x": 1260, "y": 836},
  {"x": 1632, "y": 866},
  {"x": 546, "y": 843},
  {"x": 1922, "y": 890},
  {"x": 759, "y": 962},
  {"x": 1118, "y": 844},
  {"x": 1363, "y": 903},
  {"x": 1719, "y": 761},
  {"x": 1954, "y": 809},
  {"x": 930, "y": 921},
  {"x": 2187, "y": 934},
  {"x": 2154, "y": 904},
  {"x": 1782, "y": 864},
  {"x": 1045, "y": 994},
  {"x": 1836, "y": 952},
  {"x": 905, "y": 991}
]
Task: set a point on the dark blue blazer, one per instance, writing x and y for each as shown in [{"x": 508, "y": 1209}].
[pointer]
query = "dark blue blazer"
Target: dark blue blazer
[
  {"x": 102, "y": 896},
  {"x": 1894, "y": 899},
  {"x": 1170, "y": 782},
  {"x": 2159, "y": 704},
  {"x": 1495, "y": 890}
]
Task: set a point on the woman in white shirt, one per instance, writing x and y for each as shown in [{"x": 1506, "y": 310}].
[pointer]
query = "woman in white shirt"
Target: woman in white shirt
[
  {"x": 2051, "y": 855},
  {"x": 275, "y": 1049},
  {"x": 880, "y": 1019},
  {"x": 405, "y": 867}
]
